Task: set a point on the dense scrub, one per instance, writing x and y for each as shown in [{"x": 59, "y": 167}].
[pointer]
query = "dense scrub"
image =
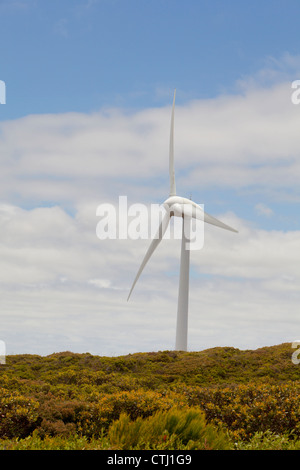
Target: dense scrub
[{"x": 229, "y": 398}]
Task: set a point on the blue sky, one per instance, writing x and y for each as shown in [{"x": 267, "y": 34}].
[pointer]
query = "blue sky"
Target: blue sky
[
  {"x": 89, "y": 88},
  {"x": 82, "y": 55}
]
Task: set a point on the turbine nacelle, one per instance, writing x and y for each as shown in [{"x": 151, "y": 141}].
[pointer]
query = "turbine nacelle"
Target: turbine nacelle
[{"x": 181, "y": 207}]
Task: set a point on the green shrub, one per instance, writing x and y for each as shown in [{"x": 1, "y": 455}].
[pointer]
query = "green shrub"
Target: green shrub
[
  {"x": 248, "y": 409},
  {"x": 35, "y": 442},
  {"x": 173, "y": 429},
  {"x": 269, "y": 441},
  {"x": 137, "y": 403},
  {"x": 59, "y": 417},
  {"x": 19, "y": 415}
]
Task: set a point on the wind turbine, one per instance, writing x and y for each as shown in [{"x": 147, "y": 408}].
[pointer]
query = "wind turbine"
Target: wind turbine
[{"x": 187, "y": 209}]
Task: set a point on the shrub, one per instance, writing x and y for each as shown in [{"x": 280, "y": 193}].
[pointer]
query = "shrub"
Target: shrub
[
  {"x": 269, "y": 441},
  {"x": 19, "y": 415},
  {"x": 173, "y": 429},
  {"x": 248, "y": 409},
  {"x": 35, "y": 442},
  {"x": 137, "y": 403},
  {"x": 59, "y": 417}
]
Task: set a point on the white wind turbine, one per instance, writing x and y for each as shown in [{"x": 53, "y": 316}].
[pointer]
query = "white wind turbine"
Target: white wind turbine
[{"x": 187, "y": 209}]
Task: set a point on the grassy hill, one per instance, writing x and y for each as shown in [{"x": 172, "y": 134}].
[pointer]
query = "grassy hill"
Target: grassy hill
[
  {"x": 248, "y": 396},
  {"x": 212, "y": 366}
]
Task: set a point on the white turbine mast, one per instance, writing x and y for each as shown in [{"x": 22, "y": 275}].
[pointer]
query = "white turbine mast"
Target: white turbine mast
[{"x": 187, "y": 209}]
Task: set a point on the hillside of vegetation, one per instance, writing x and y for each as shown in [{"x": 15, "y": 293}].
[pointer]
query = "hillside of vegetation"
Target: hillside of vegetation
[{"x": 220, "y": 398}]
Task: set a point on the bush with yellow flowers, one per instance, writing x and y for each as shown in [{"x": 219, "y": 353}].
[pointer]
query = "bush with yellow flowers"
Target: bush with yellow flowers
[
  {"x": 18, "y": 414},
  {"x": 248, "y": 409},
  {"x": 138, "y": 403}
]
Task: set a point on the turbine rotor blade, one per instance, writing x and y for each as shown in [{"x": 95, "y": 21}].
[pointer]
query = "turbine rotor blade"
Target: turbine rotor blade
[
  {"x": 171, "y": 152},
  {"x": 197, "y": 212},
  {"x": 213, "y": 221},
  {"x": 154, "y": 244}
]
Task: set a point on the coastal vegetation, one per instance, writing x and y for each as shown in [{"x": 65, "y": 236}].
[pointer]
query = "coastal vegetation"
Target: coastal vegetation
[{"x": 220, "y": 398}]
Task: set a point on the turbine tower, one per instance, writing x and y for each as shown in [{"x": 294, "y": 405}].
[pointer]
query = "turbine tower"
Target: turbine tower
[{"x": 186, "y": 209}]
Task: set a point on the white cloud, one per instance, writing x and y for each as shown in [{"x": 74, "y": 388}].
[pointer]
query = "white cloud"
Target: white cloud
[
  {"x": 17, "y": 5},
  {"x": 72, "y": 286},
  {"x": 227, "y": 142},
  {"x": 275, "y": 71},
  {"x": 263, "y": 209},
  {"x": 61, "y": 27}
]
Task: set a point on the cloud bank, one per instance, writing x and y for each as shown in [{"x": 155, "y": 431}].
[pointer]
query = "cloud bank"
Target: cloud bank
[{"x": 63, "y": 288}]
